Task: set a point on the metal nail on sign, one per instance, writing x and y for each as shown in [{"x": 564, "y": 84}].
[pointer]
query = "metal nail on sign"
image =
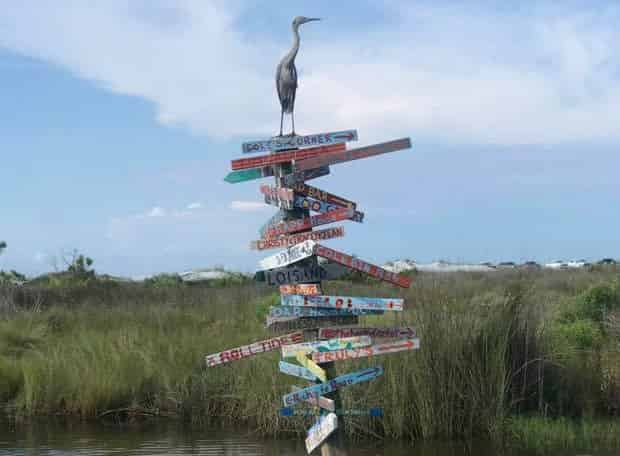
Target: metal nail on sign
[
  {"x": 343, "y": 302},
  {"x": 306, "y": 223},
  {"x": 291, "y": 311},
  {"x": 305, "y": 175},
  {"x": 373, "y": 350},
  {"x": 291, "y": 255},
  {"x": 322, "y": 429},
  {"x": 246, "y": 351},
  {"x": 337, "y": 383},
  {"x": 353, "y": 154},
  {"x": 326, "y": 345},
  {"x": 321, "y": 195},
  {"x": 323, "y": 402},
  {"x": 388, "y": 332},
  {"x": 291, "y": 142},
  {"x": 311, "y": 366},
  {"x": 297, "y": 371},
  {"x": 301, "y": 289},
  {"x": 289, "y": 241},
  {"x": 359, "y": 265},
  {"x": 267, "y": 160}
]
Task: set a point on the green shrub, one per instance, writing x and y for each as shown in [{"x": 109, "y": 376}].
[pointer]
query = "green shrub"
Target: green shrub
[{"x": 598, "y": 301}]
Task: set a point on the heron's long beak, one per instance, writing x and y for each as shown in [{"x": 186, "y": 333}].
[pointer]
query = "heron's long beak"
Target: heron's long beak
[{"x": 310, "y": 19}]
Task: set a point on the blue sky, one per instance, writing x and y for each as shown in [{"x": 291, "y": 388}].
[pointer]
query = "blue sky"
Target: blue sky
[{"x": 119, "y": 121}]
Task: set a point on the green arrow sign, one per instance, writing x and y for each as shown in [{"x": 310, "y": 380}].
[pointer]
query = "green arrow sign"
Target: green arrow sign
[{"x": 248, "y": 174}]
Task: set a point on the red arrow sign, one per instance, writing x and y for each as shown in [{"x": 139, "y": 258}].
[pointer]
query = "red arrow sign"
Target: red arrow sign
[{"x": 266, "y": 160}]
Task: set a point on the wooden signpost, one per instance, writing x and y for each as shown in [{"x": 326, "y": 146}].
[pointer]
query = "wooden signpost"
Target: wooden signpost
[
  {"x": 373, "y": 350},
  {"x": 337, "y": 383},
  {"x": 299, "y": 269},
  {"x": 321, "y": 195},
  {"x": 308, "y": 289},
  {"x": 342, "y": 156},
  {"x": 299, "y": 274},
  {"x": 293, "y": 142},
  {"x": 342, "y": 302},
  {"x": 321, "y": 430},
  {"x": 291, "y": 255},
  {"x": 289, "y": 241},
  {"x": 359, "y": 265},
  {"x": 307, "y": 223},
  {"x": 292, "y": 311},
  {"x": 325, "y": 425},
  {"x": 344, "y": 343},
  {"x": 302, "y": 176},
  {"x": 311, "y": 366},
  {"x": 246, "y": 351},
  {"x": 322, "y": 402},
  {"x": 303, "y": 202},
  {"x": 375, "y": 333},
  {"x": 267, "y": 160},
  {"x": 297, "y": 371}
]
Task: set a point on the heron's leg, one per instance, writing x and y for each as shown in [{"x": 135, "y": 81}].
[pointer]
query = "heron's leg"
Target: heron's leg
[
  {"x": 281, "y": 120},
  {"x": 293, "y": 122}
]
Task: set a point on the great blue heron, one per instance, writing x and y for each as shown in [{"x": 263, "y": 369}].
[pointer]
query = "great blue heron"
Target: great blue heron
[{"x": 286, "y": 75}]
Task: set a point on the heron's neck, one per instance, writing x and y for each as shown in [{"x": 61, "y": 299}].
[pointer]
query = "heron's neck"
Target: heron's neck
[{"x": 293, "y": 52}]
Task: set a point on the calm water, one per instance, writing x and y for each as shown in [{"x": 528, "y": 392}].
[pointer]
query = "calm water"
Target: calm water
[{"x": 62, "y": 439}]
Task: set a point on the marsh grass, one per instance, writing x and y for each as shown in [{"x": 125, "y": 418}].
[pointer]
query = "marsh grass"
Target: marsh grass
[{"x": 495, "y": 348}]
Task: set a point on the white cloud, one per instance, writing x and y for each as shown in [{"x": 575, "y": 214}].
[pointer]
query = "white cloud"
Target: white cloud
[
  {"x": 462, "y": 74},
  {"x": 248, "y": 206},
  {"x": 156, "y": 212},
  {"x": 196, "y": 205}
]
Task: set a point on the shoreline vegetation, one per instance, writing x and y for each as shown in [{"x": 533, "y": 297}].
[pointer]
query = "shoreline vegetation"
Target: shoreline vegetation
[{"x": 528, "y": 359}]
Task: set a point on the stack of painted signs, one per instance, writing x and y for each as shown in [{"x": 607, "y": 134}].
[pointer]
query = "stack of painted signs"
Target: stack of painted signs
[{"x": 299, "y": 229}]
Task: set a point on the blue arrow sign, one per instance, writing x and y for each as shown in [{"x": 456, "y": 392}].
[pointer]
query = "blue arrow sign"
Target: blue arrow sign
[{"x": 342, "y": 381}]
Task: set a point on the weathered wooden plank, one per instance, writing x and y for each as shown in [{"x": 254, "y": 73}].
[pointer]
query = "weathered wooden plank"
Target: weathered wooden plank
[
  {"x": 298, "y": 371},
  {"x": 344, "y": 343},
  {"x": 362, "y": 266},
  {"x": 267, "y": 160},
  {"x": 337, "y": 383},
  {"x": 282, "y": 193},
  {"x": 321, "y": 195},
  {"x": 324, "y": 427},
  {"x": 343, "y": 302},
  {"x": 311, "y": 366},
  {"x": 299, "y": 274},
  {"x": 363, "y": 352},
  {"x": 303, "y": 202},
  {"x": 353, "y": 154},
  {"x": 323, "y": 402},
  {"x": 289, "y": 241},
  {"x": 246, "y": 351},
  {"x": 288, "y": 324},
  {"x": 277, "y": 202},
  {"x": 290, "y": 255},
  {"x": 306, "y": 223},
  {"x": 281, "y": 215},
  {"x": 291, "y": 311},
  {"x": 375, "y": 333},
  {"x": 305, "y": 175},
  {"x": 234, "y": 177},
  {"x": 291, "y": 142},
  {"x": 301, "y": 289}
]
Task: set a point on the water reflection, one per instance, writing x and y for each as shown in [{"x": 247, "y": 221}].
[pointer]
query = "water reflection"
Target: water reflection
[{"x": 53, "y": 438}]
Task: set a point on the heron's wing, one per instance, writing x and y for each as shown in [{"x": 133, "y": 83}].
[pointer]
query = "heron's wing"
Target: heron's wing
[{"x": 278, "y": 77}]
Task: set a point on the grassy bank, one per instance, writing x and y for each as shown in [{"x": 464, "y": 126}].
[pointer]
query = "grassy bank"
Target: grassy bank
[{"x": 496, "y": 348}]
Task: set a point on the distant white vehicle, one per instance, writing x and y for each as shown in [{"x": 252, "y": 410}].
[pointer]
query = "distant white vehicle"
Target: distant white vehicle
[
  {"x": 556, "y": 264},
  {"x": 577, "y": 264}
]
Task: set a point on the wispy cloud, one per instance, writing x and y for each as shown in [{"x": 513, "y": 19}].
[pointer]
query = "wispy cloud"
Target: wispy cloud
[
  {"x": 196, "y": 205},
  {"x": 544, "y": 75},
  {"x": 248, "y": 206}
]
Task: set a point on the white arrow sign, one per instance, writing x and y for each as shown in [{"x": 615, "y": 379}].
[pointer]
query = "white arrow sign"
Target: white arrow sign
[
  {"x": 293, "y": 142},
  {"x": 291, "y": 255}
]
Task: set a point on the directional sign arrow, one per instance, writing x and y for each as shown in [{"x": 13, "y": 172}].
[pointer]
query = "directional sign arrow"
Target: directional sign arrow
[
  {"x": 291, "y": 142},
  {"x": 334, "y": 158},
  {"x": 235, "y": 177},
  {"x": 266, "y": 160}
]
